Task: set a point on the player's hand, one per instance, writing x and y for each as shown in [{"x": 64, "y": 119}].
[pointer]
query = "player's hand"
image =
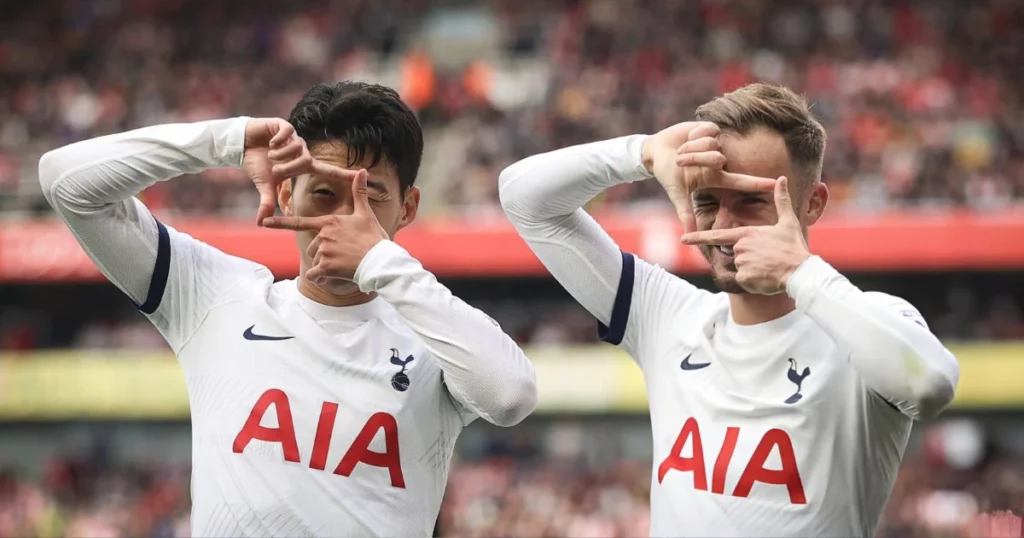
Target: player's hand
[
  {"x": 765, "y": 256},
  {"x": 273, "y": 153},
  {"x": 698, "y": 141},
  {"x": 342, "y": 241}
]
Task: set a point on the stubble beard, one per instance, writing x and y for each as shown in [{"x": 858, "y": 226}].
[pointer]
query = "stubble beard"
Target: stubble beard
[{"x": 724, "y": 277}]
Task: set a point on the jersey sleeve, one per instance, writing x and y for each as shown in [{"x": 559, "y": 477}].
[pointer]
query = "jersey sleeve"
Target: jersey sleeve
[
  {"x": 543, "y": 197},
  {"x": 172, "y": 278},
  {"x": 648, "y": 301},
  {"x": 885, "y": 338},
  {"x": 484, "y": 371}
]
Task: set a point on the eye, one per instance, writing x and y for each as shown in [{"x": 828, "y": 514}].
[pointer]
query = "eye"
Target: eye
[
  {"x": 323, "y": 192},
  {"x": 754, "y": 201}
]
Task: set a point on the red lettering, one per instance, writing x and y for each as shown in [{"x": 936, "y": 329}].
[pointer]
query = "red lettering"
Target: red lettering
[
  {"x": 755, "y": 470},
  {"x": 694, "y": 464},
  {"x": 324, "y": 431},
  {"x": 724, "y": 457},
  {"x": 360, "y": 451},
  {"x": 788, "y": 475},
  {"x": 284, "y": 433}
]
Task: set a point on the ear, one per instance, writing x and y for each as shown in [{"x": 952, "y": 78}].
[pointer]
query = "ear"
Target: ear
[
  {"x": 410, "y": 206},
  {"x": 284, "y": 196},
  {"x": 816, "y": 203}
]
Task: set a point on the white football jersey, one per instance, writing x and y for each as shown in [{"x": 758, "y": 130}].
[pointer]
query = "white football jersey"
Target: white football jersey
[
  {"x": 758, "y": 429},
  {"x": 307, "y": 420},
  {"x": 794, "y": 427}
]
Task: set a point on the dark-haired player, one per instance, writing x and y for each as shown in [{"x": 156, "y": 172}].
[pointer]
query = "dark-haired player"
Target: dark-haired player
[{"x": 327, "y": 405}]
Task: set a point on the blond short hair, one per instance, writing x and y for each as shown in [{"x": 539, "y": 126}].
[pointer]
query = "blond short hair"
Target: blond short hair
[{"x": 780, "y": 110}]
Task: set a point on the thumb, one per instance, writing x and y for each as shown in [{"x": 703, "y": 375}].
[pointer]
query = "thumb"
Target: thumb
[
  {"x": 359, "y": 194},
  {"x": 680, "y": 198},
  {"x": 783, "y": 202},
  {"x": 268, "y": 202}
]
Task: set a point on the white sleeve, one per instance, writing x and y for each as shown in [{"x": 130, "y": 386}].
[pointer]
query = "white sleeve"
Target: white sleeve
[
  {"x": 170, "y": 277},
  {"x": 484, "y": 370},
  {"x": 887, "y": 340},
  {"x": 543, "y": 196}
]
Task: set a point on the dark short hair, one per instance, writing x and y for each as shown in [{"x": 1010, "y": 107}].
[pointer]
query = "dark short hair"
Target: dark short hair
[
  {"x": 778, "y": 109},
  {"x": 370, "y": 119}
]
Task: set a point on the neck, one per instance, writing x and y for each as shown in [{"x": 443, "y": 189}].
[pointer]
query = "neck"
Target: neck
[
  {"x": 750, "y": 309},
  {"x": 347, "y": 295}
]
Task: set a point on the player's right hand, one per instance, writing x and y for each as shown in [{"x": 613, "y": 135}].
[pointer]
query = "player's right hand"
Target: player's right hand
[
  {"x": 685, "y": 158},
  {"x": 273, "y": 153}
]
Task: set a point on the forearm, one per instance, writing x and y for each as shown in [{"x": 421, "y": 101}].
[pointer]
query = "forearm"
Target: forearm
[
  {"x": 91, "y": 186},
  {"x": 113, "y": 168},
  {"x": 900, "y": 360},
  {"x": 483, "y": 367},
  {"x": 557, "y": 183},
  {"x": 543, "y": 197}
]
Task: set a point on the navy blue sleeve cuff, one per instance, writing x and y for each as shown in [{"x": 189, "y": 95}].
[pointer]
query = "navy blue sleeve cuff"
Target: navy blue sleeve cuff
[
  {"x": 160, "y": 270},
  {"x": 616, "y": 328}
]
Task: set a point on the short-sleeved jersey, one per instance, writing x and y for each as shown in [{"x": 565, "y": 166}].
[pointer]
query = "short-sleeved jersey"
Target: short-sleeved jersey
[
  {"x": 761, "y": 428},
  {"x": 307, "y": 420}
]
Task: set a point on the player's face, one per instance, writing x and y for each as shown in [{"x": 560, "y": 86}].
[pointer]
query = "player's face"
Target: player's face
[
  {"x": 312, "y": 196},
  {"x": 760, "y": 153}
]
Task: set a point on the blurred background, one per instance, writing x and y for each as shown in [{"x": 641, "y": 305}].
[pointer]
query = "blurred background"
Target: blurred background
[{"x": 922, "y": 100}]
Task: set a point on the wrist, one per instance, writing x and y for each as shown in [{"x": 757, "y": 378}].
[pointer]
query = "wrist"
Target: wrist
[
  {"x": 231, "y": 141},
  {"x": 807, "y": 278},
  {"x": 647, "y": 154},
  {"x": 374, "y": 264}
]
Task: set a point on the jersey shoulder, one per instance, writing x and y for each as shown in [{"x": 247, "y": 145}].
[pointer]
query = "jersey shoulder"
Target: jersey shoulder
[{"x": 191, "y": 278}]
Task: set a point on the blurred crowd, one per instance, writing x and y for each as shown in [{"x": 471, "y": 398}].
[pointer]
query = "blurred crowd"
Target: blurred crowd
[
  {"x": 920, "y": 97},
  {"x": 939, "y": 492}
]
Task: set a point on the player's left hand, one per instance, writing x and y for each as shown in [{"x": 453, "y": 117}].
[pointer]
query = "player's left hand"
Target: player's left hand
[
  {"x": 342, "y": 241},
  {"x": 765, "y": 256}
]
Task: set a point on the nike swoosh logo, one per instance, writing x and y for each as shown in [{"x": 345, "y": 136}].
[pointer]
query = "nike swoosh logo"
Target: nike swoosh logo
[
  {"x": 249, "y": 335},
  {"x": 687, "y": 365}
]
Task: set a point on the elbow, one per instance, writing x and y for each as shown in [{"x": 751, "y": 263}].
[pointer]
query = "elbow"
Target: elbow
[
  {"x": 49, "y": 172},
  {"x": 506, "y": 194},
  {"x": 510, "y": 195},
  {"x": 936, "y": 388},
  {"x": 516, "y": 401}
]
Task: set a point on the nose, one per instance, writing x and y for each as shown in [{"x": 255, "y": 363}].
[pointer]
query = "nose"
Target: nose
[
  {"x": 724, "y": 219},
  {"x": 345, "y": 206}
]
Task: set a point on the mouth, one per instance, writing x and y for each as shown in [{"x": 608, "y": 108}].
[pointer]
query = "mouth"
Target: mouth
[{"x": 726, "y": 250}]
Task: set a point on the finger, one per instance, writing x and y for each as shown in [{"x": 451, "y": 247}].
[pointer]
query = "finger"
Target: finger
[
  {"x": 732, "y": 180},
  {"x": 679, "y": 195},
  {"x": 715, "y": 237},
  {"x": 783, "y": 202},
  {"x": 703, "y": 129},
  {"x": 293, "y": 149},
  {"x": 315, "y": 273},
  {"x": 314, "y": 247},
  {"x": 360, "y": 199},
  {"x": 301, "y": 165},
  {"x": 284, "y": 132},
  {"x": 267, "y": 203},
  {"x": 707, "y": 143},
  {"x": 326, "y": 170},
  {"x": 709, "y": 159},
  {"x": 298, "y": 223}
]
